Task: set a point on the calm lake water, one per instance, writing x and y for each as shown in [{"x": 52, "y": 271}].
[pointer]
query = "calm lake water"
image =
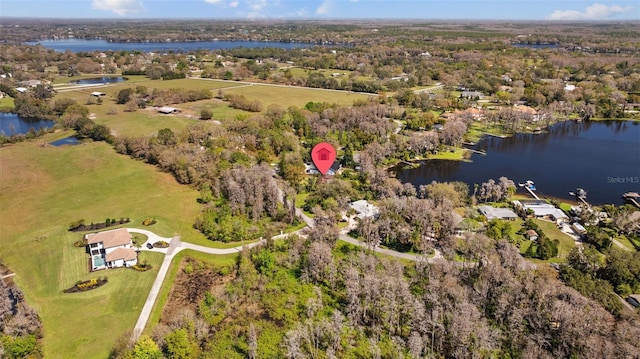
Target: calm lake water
[
  {"x": 99, "y": 80},
  {"x": 72, "y": 140},
  {"x": 12, "y": 124},
  {"x": 80, "y": 45},
  {"x": 601, "y": 157}
]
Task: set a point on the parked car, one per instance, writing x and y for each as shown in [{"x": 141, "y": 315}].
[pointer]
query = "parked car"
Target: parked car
[{"x": 149, "y": 245}]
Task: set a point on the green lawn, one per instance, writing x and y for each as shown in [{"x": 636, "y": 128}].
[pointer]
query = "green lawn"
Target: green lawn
[
  {"x": 42, "y": 190},
  {"x": 459, "y": 154},
  {"x": 566, "y": 242},
  {"x": 7, "y": 104},
  {"x": 294, "y": 96}
]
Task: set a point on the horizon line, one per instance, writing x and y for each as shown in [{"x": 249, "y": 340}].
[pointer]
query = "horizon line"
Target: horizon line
[{"x": 402, "y": 19}]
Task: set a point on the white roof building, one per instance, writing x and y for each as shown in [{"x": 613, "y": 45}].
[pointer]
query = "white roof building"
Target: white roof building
[{"x": 364, "y": 209}]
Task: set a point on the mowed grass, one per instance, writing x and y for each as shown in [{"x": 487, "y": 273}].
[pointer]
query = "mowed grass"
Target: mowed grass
[
  {"x": 147, "y": 122},
  {"x": 7, "y": 104},
  {"x": 286, "y": 96},
  {"x": 42, "y": 190},
  {"x": 550, "y": 229}
]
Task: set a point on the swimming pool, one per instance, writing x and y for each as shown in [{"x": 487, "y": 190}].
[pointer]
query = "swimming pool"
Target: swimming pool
[{"x": 98, "y": 262}]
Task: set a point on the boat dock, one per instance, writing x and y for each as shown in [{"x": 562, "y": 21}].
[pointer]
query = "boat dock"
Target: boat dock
[
  {"x": 531, "y": 192},
  {"x": 530, "y": 187},
  {"x": 632, "y": 197}
]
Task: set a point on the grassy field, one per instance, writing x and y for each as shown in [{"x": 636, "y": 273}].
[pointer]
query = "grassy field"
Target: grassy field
[
  {"x": 7, "y": 104},
  {"x": 294, "y": 96},
  {"x": 42, "y": 190},
  {"x": 146, "y": 122}
]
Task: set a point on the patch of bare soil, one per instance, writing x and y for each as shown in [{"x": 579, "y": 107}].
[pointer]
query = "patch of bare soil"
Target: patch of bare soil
[{"x": 193, "y": 280}]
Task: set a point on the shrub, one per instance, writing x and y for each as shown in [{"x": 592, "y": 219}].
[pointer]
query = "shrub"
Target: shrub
[
  {"x": 80, "y": 243},
  {"x": 77, "y": 224},
  {"x": 142, "y": 267},
  {"x": 161, "y": 244},
  {"x": 149, "y": 221},
  {"x": 83, "y": 286}
]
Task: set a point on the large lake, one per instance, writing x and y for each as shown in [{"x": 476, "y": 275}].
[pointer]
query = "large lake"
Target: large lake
[
  {"x": 601, "y": 157},
  {"x": 12, "y": 124},
  {"x": 81, "y": 45}
]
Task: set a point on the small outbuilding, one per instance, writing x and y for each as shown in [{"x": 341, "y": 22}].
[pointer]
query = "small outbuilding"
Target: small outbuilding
[
  {"x": 532, "y": 235},
  {"x": 168, "y": 110},
  {"x": 98, "y": 94}
]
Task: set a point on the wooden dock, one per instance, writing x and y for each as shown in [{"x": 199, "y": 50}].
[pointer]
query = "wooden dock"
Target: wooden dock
[
  {"x": 632, "y": 197},
  {"x": 531, "y": 192}
]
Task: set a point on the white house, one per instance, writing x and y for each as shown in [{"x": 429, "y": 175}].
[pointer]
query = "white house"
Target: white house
[
  {"x": 111, "y": 249},
  {"x": 364, "y": 209}
]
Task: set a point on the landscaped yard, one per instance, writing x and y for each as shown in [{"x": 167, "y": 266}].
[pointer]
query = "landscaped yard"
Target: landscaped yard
[
  {"x": 42, "y": 190},
  {"x": 550, "y": 229}
]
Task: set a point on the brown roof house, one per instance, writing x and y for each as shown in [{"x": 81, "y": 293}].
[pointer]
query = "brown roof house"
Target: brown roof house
[{"x": 111, "y": 249}]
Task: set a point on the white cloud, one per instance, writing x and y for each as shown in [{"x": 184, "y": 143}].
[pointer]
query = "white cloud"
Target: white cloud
[
  {"x": 234, "y": 4},
  {"x": 215, "y": 2},
  {"x": 324, "y": 8},
  {"x": 257, "y": 5},
  {"x": 120, "y": 7},
  {"x": 593, "y": 12}
]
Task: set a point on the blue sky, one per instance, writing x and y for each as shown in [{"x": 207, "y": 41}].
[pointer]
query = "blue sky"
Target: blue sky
[{"x": 327, "y": 9}]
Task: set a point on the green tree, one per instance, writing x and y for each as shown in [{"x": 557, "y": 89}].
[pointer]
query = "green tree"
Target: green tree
[
  {"x": 177, "y": 345},
  {"x": 206, "y": 114},
  {"x": 145, "y": 348},
  {"x": 264, "y": 261},
  {"x": 167, "y": 137},
  {"x": 124, "y": 96}
]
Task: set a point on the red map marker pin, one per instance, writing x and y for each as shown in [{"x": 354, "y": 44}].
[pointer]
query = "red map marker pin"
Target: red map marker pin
[{"x": 323, "y": 155}]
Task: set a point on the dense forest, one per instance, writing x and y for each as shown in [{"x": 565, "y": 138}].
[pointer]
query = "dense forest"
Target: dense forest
[{"x": 306, "y": 298}]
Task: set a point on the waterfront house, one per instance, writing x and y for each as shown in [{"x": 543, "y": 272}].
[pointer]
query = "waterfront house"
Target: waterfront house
[
  {"x": 111, "y": 249},
  {"x": 542, "y": 209},
  {"x": 497, "y": 213}
]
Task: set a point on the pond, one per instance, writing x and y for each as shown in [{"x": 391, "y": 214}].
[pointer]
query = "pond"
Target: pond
[
  {"x": 71, "y": 140},
  {"x": 99, "y": 80},
  {"x": 80, "y": 45},
  {"x": 12, "y": 124},
  {"x": 601, "y": 157}
]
